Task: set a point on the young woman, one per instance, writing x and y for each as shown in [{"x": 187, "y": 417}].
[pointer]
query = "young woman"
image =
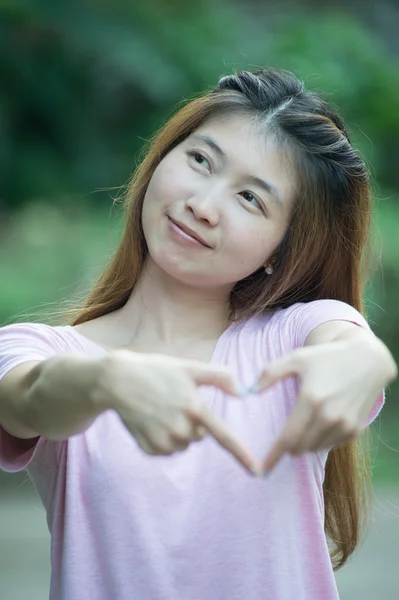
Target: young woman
[{"x": 240, "y": 270}]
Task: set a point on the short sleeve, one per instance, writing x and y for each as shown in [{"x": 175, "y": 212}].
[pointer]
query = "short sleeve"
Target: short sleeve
[
  {"x": 306, "y": 317},
  {"x": 301, "y": 319},
  {"x": 21, "y": 343}
]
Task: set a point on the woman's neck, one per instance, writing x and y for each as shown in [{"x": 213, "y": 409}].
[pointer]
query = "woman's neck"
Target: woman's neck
[{"x": 164, "y": 310}]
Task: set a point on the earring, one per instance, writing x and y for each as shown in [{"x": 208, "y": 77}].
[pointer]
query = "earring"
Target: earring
[{"x": 269, "y": 269}]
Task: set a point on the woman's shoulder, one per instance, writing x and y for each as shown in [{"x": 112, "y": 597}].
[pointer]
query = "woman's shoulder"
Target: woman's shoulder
[
  {"x": 55, "y": 338},
  {"x": 292, "y": 324},
  {"x": 324, "y": 308}
]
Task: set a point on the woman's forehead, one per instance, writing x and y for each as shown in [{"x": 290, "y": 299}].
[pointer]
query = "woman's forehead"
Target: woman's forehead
[
  {"x": 239, "y": 136},
  {"x": 250, "y": 149}
]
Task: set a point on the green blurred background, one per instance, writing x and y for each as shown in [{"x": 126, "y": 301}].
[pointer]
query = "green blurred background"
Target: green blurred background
[{"x": 85, "y": 83}]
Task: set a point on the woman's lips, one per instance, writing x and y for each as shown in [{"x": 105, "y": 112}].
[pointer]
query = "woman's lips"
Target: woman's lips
[{"x": 183, "y": 236}]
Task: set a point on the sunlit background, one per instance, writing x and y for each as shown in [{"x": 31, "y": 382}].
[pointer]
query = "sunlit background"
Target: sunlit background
[{"x": 83, "y": 85}]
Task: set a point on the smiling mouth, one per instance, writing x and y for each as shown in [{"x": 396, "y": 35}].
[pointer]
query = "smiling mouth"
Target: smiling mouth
[{"x": 187, "y": 233}]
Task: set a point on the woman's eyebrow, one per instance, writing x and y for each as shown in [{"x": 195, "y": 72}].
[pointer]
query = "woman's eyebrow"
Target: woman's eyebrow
[
  {"x": 211, "y": 143},
  {"x": 268, "y": 187}
]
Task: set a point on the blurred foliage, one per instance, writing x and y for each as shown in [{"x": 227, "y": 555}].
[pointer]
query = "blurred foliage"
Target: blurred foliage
[{"x": 85, "y": 82}]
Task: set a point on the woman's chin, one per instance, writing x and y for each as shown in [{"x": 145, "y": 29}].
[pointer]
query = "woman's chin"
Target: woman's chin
[{"x": 188, "y": 273}]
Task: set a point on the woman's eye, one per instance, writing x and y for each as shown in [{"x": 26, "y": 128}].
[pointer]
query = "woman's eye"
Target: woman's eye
[
  {"x": 200, "y": 159},
  {"x": 251, "y": 199}
]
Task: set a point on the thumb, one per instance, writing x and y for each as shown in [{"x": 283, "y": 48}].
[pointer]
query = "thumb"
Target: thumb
[
  {"x": 203, "y": 374},
  {"x": 287, "y": 366}
]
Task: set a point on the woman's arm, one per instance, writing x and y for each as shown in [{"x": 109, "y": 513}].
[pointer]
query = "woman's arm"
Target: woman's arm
[
  {"x": 155, "y": 396},
  {"x": 342, "y": 369},
  {"x": 54, "y": 397}
]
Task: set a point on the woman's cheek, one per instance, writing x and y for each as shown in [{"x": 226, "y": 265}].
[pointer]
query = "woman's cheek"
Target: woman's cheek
[{"x": 259, "y": 243}]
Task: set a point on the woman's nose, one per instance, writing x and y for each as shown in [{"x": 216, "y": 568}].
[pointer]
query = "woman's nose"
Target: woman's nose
[{"x": 204, "y": 208}]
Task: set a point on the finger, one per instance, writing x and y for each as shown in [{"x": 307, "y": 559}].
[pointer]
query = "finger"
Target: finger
[
  {"x": 203, "y": 374},
  {"x": 287, "y": 366},
  {"x": 199, "y": 433},
  {"x": 315, "y": 438},
  {"x": 161, "y": 440},
  {"x": 225, "y": 438},
  {"x": 144, "y": 444},
  {"x": 185, "y": 431},
  {"x": 293, "y": 437},
  {"x": 333, "y": 442},
  {"x": 279, "y": 448},
  {"x": 329, "y": 428},
  {"x": 331, "y": 439},
  {"x": 166, "y": 445},
  {"x": 181, "y": 429}
]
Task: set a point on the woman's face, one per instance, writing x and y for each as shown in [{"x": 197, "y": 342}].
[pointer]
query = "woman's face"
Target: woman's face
[{"x": 218, "y": 204}]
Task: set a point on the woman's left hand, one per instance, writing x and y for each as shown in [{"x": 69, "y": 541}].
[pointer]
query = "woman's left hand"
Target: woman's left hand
[{"x": 339, "y": 383}]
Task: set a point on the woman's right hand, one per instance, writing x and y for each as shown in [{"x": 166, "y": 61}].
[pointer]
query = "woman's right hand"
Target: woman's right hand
[{"x": 157, "y": 399}]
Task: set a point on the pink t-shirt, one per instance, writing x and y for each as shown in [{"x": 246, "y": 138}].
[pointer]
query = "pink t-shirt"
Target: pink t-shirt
[{"x": 194, "y": 525}]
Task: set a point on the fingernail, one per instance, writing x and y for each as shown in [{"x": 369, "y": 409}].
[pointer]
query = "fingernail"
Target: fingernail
[
  {"x": 255, "y": 471},
  {"x": 252, "y": 389},
  {"x": 241, "y": 390}
]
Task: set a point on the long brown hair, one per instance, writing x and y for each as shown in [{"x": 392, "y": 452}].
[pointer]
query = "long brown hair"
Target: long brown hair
[{"x": 321, "y": 255}]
